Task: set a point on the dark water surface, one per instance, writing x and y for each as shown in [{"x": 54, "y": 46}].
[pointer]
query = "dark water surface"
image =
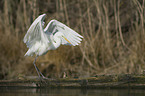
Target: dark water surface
[{"x": 70, "y": 92}]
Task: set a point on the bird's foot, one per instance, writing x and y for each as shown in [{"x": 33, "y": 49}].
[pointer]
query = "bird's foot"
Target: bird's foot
[{"x": 45, "y": 80}]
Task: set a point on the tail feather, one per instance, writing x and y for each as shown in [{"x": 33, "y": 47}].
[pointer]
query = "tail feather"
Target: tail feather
[{"x": 29, "y": 53}]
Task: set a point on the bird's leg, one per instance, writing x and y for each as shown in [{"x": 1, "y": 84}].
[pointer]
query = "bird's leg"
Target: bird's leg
[
  {"x": 36, "y": 67},
  {"x": 38, "y": 71}
]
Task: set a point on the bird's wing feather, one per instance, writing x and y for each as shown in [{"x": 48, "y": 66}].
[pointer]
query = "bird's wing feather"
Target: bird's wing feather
[
  {"x": 73, "y": 37},
  {"x": 35, "y": 33}
]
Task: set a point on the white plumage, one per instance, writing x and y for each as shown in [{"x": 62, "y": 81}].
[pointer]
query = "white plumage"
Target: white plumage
[{"x": 40, "y": 40}]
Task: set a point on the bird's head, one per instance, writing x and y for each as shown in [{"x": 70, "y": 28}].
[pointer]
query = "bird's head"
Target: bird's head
[
  {"x": 66, "y": 39},
  {"x": 62, "y": 36}
]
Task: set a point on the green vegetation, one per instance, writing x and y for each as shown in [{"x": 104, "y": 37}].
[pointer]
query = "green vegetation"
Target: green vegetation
[{"x": 113, "y": 30}]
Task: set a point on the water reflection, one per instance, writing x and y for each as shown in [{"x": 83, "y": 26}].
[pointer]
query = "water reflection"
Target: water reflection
[{"x": 70, "y": 92}]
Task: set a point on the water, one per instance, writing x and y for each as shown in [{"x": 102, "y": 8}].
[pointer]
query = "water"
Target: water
[{"x": 70, "y": 92}]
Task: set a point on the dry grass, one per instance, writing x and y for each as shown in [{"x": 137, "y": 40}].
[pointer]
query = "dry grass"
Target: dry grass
[{"x": 113, "y": 41}]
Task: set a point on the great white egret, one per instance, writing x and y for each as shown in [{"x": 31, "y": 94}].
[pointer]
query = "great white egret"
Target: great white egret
[{"x": 40, "y": 40}]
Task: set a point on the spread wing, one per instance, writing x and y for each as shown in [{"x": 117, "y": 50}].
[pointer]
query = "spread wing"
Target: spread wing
[
  {"x": 73, "y": 37},
  {"x": 36, "y": 32}
]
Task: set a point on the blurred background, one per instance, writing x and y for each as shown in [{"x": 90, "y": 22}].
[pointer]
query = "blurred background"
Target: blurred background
[{"x": 113, "y": 30}]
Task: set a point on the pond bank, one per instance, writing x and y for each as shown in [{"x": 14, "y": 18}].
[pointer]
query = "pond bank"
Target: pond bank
[{"x": 99, "y": 81}]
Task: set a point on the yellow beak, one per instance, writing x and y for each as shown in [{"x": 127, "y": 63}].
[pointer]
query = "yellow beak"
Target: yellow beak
[{"x": 66, "y": 39}]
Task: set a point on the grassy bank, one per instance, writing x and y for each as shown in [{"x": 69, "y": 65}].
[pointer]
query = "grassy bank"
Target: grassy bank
[{"x": 113, "y": 41}]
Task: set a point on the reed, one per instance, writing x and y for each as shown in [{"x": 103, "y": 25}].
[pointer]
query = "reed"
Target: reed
[{"x": 113, "y": 41}]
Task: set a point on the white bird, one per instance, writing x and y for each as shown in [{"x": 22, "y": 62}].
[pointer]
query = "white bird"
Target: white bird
[{"x": 40, "y": 40}]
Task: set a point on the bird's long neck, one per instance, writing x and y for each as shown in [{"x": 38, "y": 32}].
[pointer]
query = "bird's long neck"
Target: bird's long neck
[{"x": 57, "y": 40}]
